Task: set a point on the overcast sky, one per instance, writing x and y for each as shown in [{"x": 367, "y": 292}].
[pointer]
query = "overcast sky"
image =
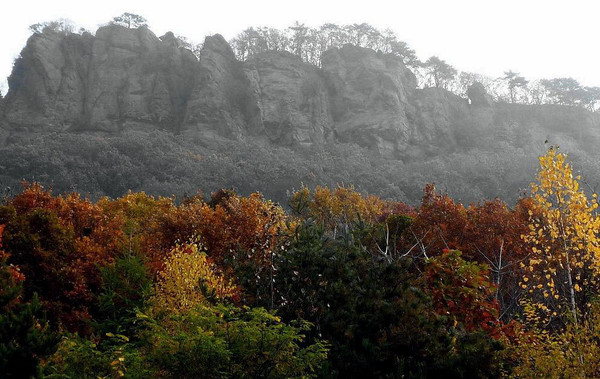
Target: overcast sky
[{"x": 539, "y": 39}]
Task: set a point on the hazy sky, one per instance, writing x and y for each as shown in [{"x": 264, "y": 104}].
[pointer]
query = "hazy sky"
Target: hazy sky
[{"x": 536, "y": 38}]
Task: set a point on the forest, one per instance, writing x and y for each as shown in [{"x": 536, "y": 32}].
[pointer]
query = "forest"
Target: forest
[{"x": 338, "y": 284}]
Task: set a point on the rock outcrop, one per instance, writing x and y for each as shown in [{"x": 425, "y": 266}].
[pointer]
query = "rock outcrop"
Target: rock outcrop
[
  {"x": 478, "y": 96},
  {"x": 371, "y": 95},
  {"x": 125, "y": 109},
  {"x": 221, "y": 102},
  {"x": 123, "y": 79},
  {"x": 118, "y": 77},
  {"x": 128, "y": 79},
  {"x": 292, "y": 98}
]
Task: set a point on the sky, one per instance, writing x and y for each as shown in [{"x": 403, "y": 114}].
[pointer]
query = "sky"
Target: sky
[{"x": 539, "y": 39}]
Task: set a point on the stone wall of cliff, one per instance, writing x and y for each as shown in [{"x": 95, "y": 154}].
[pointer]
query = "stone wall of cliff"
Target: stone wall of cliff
[
  {"x": 124, "y": 79},
  {"x": 68, "y": 87}
]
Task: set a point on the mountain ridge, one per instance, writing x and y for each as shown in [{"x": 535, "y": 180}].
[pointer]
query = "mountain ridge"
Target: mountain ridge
[{"x": 129, "y": 82}]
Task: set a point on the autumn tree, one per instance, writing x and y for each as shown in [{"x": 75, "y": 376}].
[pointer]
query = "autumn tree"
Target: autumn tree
[
  {"x": 492, "y": 235},
  {"x": 439, "y": 224},
  {"x": 462, "y": 289},
  {"x": 189, "y": 280},
  {"x": 243, "y": 236},
  {"x": 59, "y": 242},
  {"x": 573, "y": 352},
  {"x": 562, "y": 270},
  {"x": 338, "y": 208}
]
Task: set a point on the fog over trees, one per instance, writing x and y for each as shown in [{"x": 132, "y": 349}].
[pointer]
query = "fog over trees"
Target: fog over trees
[{"x": 310, "y": 42}]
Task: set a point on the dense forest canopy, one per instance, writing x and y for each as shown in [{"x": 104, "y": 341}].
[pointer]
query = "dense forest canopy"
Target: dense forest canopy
[{"x": 342, "y": 285}]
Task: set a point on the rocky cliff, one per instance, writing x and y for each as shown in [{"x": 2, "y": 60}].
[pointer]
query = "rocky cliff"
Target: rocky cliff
[
  {"x": 122, "y": 81},
  {"x": 128, "y": 78}
]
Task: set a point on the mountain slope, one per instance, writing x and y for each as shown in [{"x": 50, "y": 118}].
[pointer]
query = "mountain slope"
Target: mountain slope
[{"x": 124, "y": 109}]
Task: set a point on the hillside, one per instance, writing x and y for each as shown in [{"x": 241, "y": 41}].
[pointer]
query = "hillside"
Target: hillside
[{"x": 125, "y": 109}]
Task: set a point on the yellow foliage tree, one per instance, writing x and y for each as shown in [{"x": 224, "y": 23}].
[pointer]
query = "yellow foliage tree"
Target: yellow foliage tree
[
  {"x": 573, "y": 352},
  {"x": 189, "y": 280},
  {"x": 562, "y": 269},
  {"x": 342, "y": 205}
]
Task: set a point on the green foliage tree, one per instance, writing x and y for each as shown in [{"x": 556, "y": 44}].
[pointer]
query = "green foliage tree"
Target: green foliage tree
[
  {"x": 126, "y": 288},
  {"x": 408, "y": 55},
  {"x": 363, "y": 307},
  {"x": 61, "y": 25},
  {"x": 114, "y": 357},
  {"x": 226, "y": 341},
  {"x": 25, "y": 337},
  {"x": 309, "y": 43}
]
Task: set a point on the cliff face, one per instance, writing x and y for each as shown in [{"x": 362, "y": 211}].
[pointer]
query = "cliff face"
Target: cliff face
[
  {"x": 106, "y": 82},
  {"x": 123, "y": 81}
]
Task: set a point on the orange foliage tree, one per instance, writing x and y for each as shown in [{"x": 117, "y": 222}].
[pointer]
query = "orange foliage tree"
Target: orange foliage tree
[
  {"x": 242, "y": 236},
  {"x": 59, "y": 242}
]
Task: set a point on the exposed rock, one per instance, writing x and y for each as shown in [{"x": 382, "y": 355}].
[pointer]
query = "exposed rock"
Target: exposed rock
[
  {"x": 247, "y": 123},
  {"x": 47, "y": 85},
  {"x": 370, "y": 98},
  {"x": 222, "y": 101},
  {"x": 478, "y": 96},
  {"x": 122, "y": 79},
  {"x": 135, "y": 77},
  {"x": 292, "y": 98},
  {"x": 120, "y": 76}
]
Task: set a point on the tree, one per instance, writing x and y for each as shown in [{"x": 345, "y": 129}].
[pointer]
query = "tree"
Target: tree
[
  {"x": 298, "y": 38},
  {"x": 408, "y": 55},
  {"x": 243, "y": 235},
  {"x": 126, "y": 287},
  {"x": 223, "y": 341},
  {"x": 562, "y": 270},
  {"x": 440, "y": 72},
  {"x": 514, "y": 82},
  {"x": 590, "y": 98},
  {"x": 25, "y": 338},
  {"x": 462, "y": 290},
  {"x": 574, "y": 352},
  {"x": 338, "y": 209},
  {"x": 62, "y": 25},
  {"x": 130, "y": 20},
  {"x": 566, "y": 91},
  {"x": 188, "y": 280}
]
